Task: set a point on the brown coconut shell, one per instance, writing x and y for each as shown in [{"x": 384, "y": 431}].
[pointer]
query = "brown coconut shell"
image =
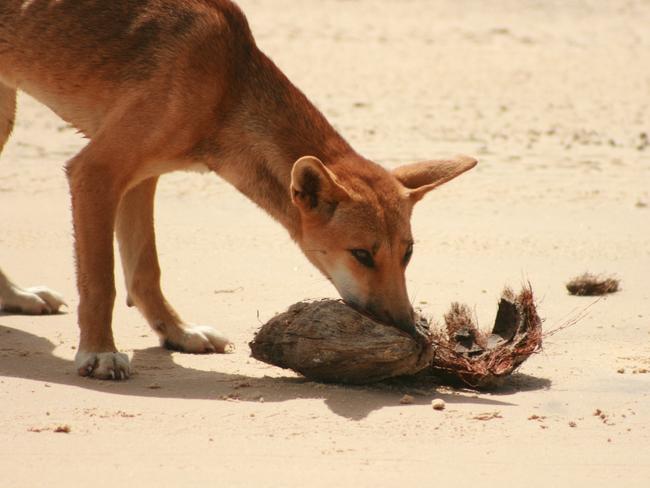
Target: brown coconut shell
[
  {"x": 328, "y": 341},
  {"x": 467, "y": 355}
]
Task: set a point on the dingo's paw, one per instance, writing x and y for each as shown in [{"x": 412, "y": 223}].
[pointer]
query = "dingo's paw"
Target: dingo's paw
[
  {"x": 36, "y": 300},
  {"x": 198, "y": 339},
  {"x": 103, "y": 365}
]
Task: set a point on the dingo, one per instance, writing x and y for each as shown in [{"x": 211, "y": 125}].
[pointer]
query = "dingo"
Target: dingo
[{"x": 160, "y": 85}]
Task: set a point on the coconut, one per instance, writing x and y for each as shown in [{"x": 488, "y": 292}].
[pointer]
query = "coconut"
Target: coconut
[
  {"x": 327, "y": 340},
  {"x": 465, "y": 354}
]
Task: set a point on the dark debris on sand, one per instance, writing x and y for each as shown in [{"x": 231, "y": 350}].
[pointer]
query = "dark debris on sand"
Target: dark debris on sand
[{"x": 589, "y": 284}]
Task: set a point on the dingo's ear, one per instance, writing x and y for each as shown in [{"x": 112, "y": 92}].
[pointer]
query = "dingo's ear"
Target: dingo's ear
[
  {"x": 421, "y": 178},
  {"x": 314, "y": 188}
]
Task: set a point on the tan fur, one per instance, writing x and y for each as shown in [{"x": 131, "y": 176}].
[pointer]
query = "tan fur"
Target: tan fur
[{"x": 160, "y": 85}]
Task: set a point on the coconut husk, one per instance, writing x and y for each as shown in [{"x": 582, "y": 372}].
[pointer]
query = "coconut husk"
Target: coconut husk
[
  {"x": 464, "y": 354},
  {"x": 329, "y": 341},
  {"x": 589, "y": 284}
]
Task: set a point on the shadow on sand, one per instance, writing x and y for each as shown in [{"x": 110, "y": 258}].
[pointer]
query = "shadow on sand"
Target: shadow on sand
[{"x": 24, "y": 355}]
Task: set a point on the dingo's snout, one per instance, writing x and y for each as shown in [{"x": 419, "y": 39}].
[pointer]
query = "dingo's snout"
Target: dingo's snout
[{"x": 401, "y": 317}]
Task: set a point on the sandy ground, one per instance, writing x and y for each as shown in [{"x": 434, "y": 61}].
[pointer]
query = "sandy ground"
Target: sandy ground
[{"x": 552, "y": 96}]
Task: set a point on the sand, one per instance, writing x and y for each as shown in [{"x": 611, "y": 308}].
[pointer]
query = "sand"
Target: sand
[{"x": 551, "y": 96}]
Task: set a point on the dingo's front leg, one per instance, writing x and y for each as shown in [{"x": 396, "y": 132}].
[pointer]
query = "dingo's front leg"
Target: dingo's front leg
[
  {"x": 96, "y": 187},
  {"x": 135, "y": 233}
]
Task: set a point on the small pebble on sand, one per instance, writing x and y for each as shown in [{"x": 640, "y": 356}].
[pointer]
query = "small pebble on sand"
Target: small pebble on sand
[
  {"x": 407, "y": 400},
  {"x": 438, "y": 404}
]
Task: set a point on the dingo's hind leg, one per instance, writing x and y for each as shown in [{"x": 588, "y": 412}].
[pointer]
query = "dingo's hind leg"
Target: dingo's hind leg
[
  {"x": 35, "y": 300},
  {"x": 136, "y": 237},
  {"x": 7, "y": 113}
]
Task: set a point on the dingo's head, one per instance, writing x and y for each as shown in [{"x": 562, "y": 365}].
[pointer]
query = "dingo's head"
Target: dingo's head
[{"x": 355, "y": 226}]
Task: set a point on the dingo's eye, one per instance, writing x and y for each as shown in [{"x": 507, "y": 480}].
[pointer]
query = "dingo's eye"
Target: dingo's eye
[
  {"x": 408, "y": 254},
  {"x": 364, "y": 257}
]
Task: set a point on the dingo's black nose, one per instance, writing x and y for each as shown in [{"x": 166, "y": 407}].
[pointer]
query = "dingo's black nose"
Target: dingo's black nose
[{"x": 403, "y": 321}]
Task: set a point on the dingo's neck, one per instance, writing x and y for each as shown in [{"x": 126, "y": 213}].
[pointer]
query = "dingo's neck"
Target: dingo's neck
[{"x": 271, "y": 125}]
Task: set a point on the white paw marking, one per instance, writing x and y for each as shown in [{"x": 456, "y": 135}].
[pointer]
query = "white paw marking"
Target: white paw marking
[
  {"x": 200, "y": 339},
  {"x": 35, "y": 300},
  {"x": 103, "y": 365}
]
